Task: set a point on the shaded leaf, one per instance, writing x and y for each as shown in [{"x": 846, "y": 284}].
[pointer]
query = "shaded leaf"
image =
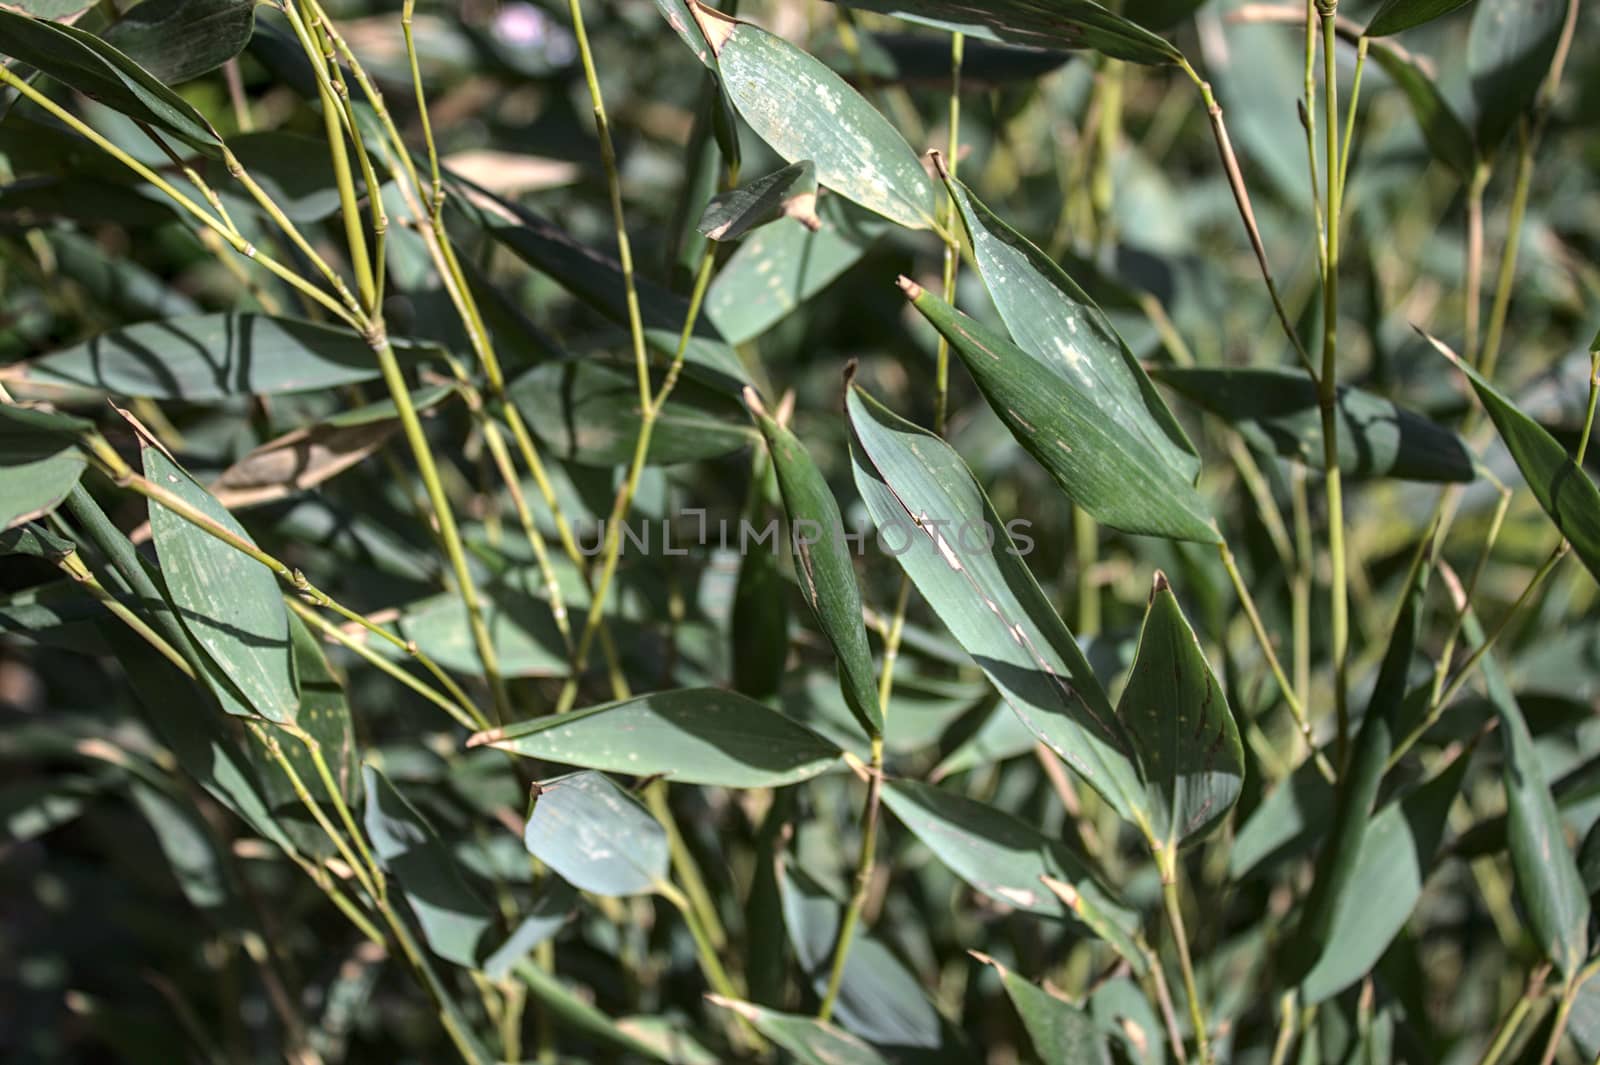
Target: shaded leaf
[
  {"x": 176, "y": 40},
  {"x": 188, "y": 847},
  {"x": 1092, "y": 454},
  {"x": 985, "y": 595},
  {"x": 294, "y": 170},
  {"x": 787, "y": 193},
  {"x": 596, "y": 836},
  {"x": 40, "y": 461},
  {"x": 1053, "y": 320},
  {"x": 691, "y": 736},
  {"x": 572, "y": 1010},
  {"x": 824, "y": 565},
  {"x": 1448, "y": 137},
  {"x": 1397, "y": 15},
  {"x": 455, "y": 919},
  {"x": 228, "y": 602},
  {"x": 1005, "y": 858},
  {"x": 1276, "y": 410},
  {"x": 540, "y": 922},
  {"x": 759, "y": 627},
  {"x": 1508, "y": 55},
  {"x": 523, "y": 629},
  {"x": 36, "y": 541},
  {"x": 1179, "y": 720},
  {"x": 302, "y": 459},
  {"x": 1562, "y": 488},
  {"x": 1062, "y": 1033},
  {"x": 1039, "y": 24},
  {"x": 588, "y": 413},
  {"x": 98, "y": 70},
  {"x": 810, "y": 1041},
  {"x": 806, "y": 111},
  {"x": 212, "y": 356}
]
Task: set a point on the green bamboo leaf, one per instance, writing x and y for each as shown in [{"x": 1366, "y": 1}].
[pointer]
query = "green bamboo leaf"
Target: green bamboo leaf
[
  {"x": 596, "y": 279},
  {"x": 228, "y": 602},
  {"x": 1053, "y": 320},
  {"x": 547, "y": 915},
  {"x": 574, "y": 1010},
  {"x": 596, "y": 836},
  {"x": 293, "y": 169},
  {"x": 176, "y": 40},
  {"x": 1062, "y": 1033},
  {"x": 116, "y": 283},
  {"x": 823, "y": 564},
  {"x": 806, "y": 111},
  {"x": 1560, "y": 485},
  {"x": 588, "y": 413},
  {"x": 932, "y": 514},
  {"x": 809, "y": 1040},
  {"x": 759, "y": 628},
  {"x": 787, "y": 193},
  {"x": 213, "y": 356},
  {"x": 880, "y": 1000},
  {"x": 40, "y": 461},
  {"x": 1181, "y": 725},
  {"x": 1508, "y": 56},
  {"x": 1397, "y": 854},
  {"x": 1448, "y": 137},
  {"x": 692, "y": 736},
  {"x": 1007, "y": 859},
  {"x": 781, "y": 266},
  {"x": 1159, "y": 14},
  {"x": 53, "y": 9},
  {"x": 1101, "y": 463},
  {"x": 88, "y": 64},
  {"x": 34, "y": 808},
  {"x": 1276, "y": 410},
  {"x": 1358, "y": 785},
  {"x": 521, "y": 625},
  {"x": 1397, "y": 15},
  {"x": 682, "y": 21},
  {"x": 35, "y": 541},
  {"x": 1038, "y": 24},
  {"x": 1546, "y": 870}
]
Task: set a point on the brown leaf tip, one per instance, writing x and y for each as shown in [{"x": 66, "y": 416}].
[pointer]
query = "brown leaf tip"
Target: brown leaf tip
[
  {"x": 850, "y": 369},
  {"x": 752, "y": 400},
  {"x": 1159, "y": 584},
  {"x": 714, "y": 25},
  {"x": 940, "y": 167},
  {"x": 912, "y": 290},
  {"x": 481, "y": 739}
]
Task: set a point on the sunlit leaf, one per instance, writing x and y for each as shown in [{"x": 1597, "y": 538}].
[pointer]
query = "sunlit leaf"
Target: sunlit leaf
[
  {"x": 808, "y": 1039},
  {"x": 1038, "y": 23},
  {"x": 596, "y": 836},
  {"x": 1061, "y": 1032},
  {"x": 40, "y": 461},
  {"x": 787, "y": 193},
  {"x": 176, "y": 40}
]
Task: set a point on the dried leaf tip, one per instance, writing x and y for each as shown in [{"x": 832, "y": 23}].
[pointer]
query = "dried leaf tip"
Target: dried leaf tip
[
  {"x": 1438, "y": 345},
  {"x": 850, "y": 369},
  {"x": 752, "y": 400},
  {"x": 715, "y": 26},
  {"x": 785, "y": 412},
  {"x": 1159, "y": 584},
  {"x": 912, "y": 290},
  {"x": 940, "y": 167},
  {"x": 803, "y": 209},
  {"x": 483, "y": 739}
]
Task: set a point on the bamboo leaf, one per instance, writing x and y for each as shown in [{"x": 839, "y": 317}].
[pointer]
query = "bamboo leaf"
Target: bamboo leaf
[
  {"x": 596, "y": 836},
  {"x": 787, "y": 193},
  {"x": 209, "y": 357},
  {"x": 932, "y": 514},
  {"x": 1062, "y": 1033},
  {"x": 1055, "y": 322},
  {"x": 1174, "y": 709},
  {"x": 40, "y": 461},
  {"x": 691, "y": 736},
  {"x": 176, "y": 40},
  {"x": 35, "y": 541},
  {"x": 823, "y": 564},
  {"x": 759, "y": 627},
  {"x": 810, "y": 1041},
  {"x": 1006, "y": 859},
  {"x": 88, "y": 64},
  {"x": 228, "y": 602},
  {"x": 806, "y": 111},
  {"x": 588, "y": 413},
  {"x": 1038, "y": 24},
  {"x": 455, "y": 919},
  {"x": 1397, "y": 15},
  {"x": 573, "y": 1010},
  {"x": 1508, "y": 56},
  {"x": 1096, "y": 459},
  {"x": 1560, "y": 485},
  {"x": 1447, "y": 135}
]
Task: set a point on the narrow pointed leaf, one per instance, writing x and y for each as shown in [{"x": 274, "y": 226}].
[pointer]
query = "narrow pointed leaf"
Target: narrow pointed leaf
[
  {"x": 40, "y": 461},
  {"x": 806, "y": 111},
  {"x": 574, "y": 1010},
  {"x": 759, "y": 628},
  {"x": 787, "y": 193},
  {"x": 455, "y": 919},
  {"x": 596, "y": 836},
  {"x": 810, "y": 1041},
  {"x": 1062, "y": 1033},
  {"x": 210, "y": 357},
  {"x": 1448, "y": 137},
  {"x": 932, "y": 514},
  {"x": 1508, "y": 56},
  {"x": 540, "y": 922},
  {"x": 1038, "y": 24},
  {"x": 228, "y": 602},
  {"x": 692, "y": 736},
  {"x": 88, "y": 64},
  {"x": 1097, "y": 460},
  {"x": 823, "y": 564},
  {"x": 1560, "y": 485},
  {"x": 1005, "y": 858},
  {"x": 1179, "y": 720},
  {"x": 1053, "y": 320},
  {"x": 1397, "y": 15},
  {"x": 35, "y": 541},
  {"x": 176, "y": 40}
]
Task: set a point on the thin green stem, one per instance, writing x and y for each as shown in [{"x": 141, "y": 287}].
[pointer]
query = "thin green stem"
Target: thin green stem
[
  {"x": 710, "y": 963},
  {"x": 358, "y": 868},
  {"x": 952, "y": 248},
  {"x": 74, "y": 567},
  {"x": 688, "y": 870},
  {"x": 863, "y": 883},
  {"x": 1508, "y": 257},
  {"x": 1173, "y": 906}
]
